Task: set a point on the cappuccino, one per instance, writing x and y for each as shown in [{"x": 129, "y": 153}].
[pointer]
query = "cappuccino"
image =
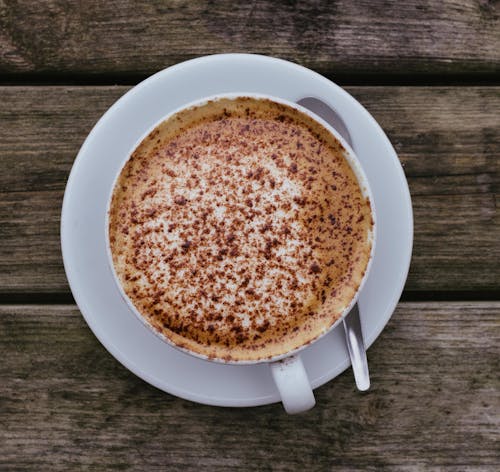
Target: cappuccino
[{"x": 238, "y": 229}]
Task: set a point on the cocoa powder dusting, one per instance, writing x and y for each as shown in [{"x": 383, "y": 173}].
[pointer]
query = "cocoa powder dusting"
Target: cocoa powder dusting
[{"x": 238, "y": 229}]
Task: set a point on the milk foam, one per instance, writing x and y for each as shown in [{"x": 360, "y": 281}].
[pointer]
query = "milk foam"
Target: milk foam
[{"x": 238, "y": 230}]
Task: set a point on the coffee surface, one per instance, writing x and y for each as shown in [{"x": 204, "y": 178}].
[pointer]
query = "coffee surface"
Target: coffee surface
[{"x": 238, "y": 229}]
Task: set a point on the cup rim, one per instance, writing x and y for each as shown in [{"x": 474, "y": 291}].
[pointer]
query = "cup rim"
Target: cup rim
[{"x": 356, "y": 167}]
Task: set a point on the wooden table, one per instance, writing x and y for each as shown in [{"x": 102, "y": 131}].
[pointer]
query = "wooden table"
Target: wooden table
[{"x": 427, "y": 71}]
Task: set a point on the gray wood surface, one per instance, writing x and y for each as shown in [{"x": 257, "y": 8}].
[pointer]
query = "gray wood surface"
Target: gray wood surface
[
  {"x": 65, "y": 403},
  {"x": 447, "y": 138},
  {"x": 334, "y": 37}
]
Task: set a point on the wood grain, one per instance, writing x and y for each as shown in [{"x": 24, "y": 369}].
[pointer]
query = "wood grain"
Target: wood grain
[
  {"x": 342, "y": 37},
  {"x": 65, "y": 403},
  {"x": 448, "y": 140}
]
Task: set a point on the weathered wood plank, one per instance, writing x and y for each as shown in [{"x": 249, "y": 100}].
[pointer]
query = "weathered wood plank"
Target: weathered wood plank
[
  {"x": 65, "y": 403},
  {"x": 341, "y": 37},
  {"x": 447, "y": 138}
]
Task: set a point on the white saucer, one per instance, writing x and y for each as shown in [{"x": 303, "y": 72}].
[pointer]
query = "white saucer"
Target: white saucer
[{"x": 90, "y": 183}]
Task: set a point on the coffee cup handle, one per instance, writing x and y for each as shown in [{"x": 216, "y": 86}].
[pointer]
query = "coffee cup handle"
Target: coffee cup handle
[{"x": 292, "y": 382}]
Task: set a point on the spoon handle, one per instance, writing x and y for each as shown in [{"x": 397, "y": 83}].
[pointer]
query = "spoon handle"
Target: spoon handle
[{"x": 356, "y": 348}]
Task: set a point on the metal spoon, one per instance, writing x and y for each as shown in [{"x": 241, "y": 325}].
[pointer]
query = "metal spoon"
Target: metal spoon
[{"x": 352, "y": 324}]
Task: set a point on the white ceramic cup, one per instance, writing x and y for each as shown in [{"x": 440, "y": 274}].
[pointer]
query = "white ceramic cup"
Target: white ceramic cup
[{"x": 287, "y": 369}]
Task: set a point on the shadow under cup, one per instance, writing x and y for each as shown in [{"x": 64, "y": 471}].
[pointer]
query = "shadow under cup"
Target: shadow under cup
[{"x": 287, "y": 367}]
